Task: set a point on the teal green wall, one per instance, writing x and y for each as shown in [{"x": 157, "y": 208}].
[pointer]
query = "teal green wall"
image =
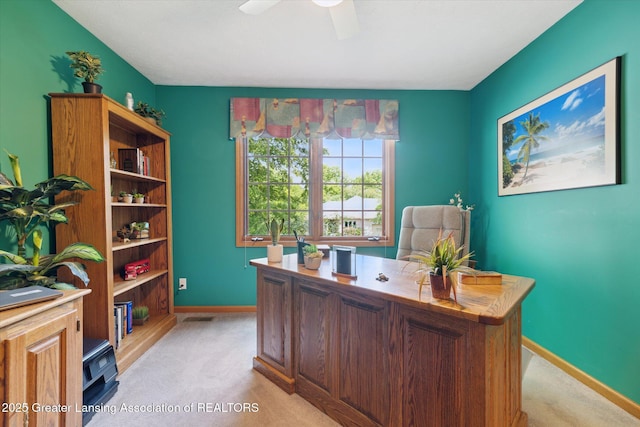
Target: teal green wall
[
  {"x": 433, "y": 126},
  {"x": 580, "y": 245},
  {"x": 577, "y": 244},
  {"x": 34, "y": 36}
]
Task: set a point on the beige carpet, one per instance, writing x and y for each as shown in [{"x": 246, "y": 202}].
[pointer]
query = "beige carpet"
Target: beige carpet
[{"x": 200, "y": 374}]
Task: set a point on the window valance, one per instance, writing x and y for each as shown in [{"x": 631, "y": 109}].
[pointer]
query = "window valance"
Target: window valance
[{"x": 312, "y": 117}]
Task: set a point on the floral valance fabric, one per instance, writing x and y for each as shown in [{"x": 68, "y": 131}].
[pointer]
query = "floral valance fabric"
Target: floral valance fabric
[{"x": 312, "y": 117}]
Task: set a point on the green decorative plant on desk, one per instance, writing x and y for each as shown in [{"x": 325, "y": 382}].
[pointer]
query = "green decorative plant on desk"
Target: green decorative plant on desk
[
  {"x": 26, "y": 211},
  {"x": 443, "y": 260},
  {"x": 275, "y": 250},
  {"x": 312, "y": 257}
]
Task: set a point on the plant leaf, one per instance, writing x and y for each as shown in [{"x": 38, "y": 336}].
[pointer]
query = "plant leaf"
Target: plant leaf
[
  {"x": 62, "y": 286},
  {"x": 15, "y": 259},
  {"x": 79, "y": 250},
  {"x": 6, "y": 269},
  {"x": 76, "y": 268}
]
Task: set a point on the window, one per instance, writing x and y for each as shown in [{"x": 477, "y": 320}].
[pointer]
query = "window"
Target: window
[{"x": 329, "y": 190}]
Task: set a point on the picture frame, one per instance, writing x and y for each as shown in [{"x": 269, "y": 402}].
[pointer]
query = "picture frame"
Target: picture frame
[{"x": 568, "y": 138}]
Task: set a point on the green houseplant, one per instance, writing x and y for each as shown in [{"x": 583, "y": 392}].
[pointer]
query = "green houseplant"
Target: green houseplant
[
  {"x": 87, "y": 67},
  {"x": 125, "y": 197},
  {"x": 138, "y": 197},
  {"x": 144, "y": 110},
  {"x": 275, "y": 250},
  {"x": 27, "y": 211},
  {"x": 140, "y": 314},
  {"x": 438, "y": 265},
  {"x": 312, "y": 257}
]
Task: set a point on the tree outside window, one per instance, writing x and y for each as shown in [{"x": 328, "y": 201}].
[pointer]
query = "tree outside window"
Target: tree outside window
[{"x": 336, "y": 190}]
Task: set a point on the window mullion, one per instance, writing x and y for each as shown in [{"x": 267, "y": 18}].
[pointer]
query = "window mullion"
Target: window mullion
[{"x": 315, "y": 188}]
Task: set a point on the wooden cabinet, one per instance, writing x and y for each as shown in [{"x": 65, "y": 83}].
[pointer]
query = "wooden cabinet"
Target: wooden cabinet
[
  {"x": 41, "y": 363},
  {"x": 85, "y": 130},
  {"x": 372, "y": 353}
]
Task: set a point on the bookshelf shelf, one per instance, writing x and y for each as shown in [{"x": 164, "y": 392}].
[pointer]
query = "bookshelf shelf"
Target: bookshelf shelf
[
  {"x": 119, "y": 246},
  {"x": 86, "y": 130},
  {"x": 132, "y": 176},
  {"x": 121, "y": 286},
  {"x": 138, "y": 205}
]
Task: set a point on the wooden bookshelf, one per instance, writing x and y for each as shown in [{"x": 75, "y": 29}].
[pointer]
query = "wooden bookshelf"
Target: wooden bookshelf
[{"x": 85, "y": 130}]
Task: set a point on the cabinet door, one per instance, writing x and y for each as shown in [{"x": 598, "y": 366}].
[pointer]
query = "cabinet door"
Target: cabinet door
[
  {"x": 274, "y": 322},
  {"x": 42, "y": 372}
]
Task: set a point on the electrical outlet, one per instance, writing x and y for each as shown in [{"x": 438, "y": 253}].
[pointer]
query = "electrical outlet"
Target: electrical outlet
[{"x": 182, "y": 284}]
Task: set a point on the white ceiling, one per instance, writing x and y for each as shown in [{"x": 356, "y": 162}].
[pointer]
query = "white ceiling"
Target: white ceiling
[{"x": 402, "y": 44}]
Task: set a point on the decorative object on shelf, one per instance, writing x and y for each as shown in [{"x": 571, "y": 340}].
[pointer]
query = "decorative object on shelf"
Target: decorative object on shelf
[
  {"x": 139, "y": 230},
  {"x": 87, "y": 67},
  {"x": 438, "y": 265},
  {"x": 274, "y": 250},
  {"x": 132, "y": 270},
  {"x": 343, "y": 261},
  {"x": 312, "y": 257},
  {"x": 140, "y": 314},
  {"x": 134, "y": 160},
  {"x": 155, "y": 116},
  {"x": 124, "y": 234},
  {"x": 125, "y": 197},
  {"x": 26, "y": 211},
  {"x": 138, "y": 197},
  {"x": 129, "y": 101},
  {"x": 112, "y": 161}
]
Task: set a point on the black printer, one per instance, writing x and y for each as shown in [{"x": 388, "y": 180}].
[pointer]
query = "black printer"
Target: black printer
[{"x": 99, "y": 371}]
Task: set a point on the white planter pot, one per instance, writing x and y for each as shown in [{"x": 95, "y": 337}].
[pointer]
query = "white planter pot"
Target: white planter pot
[
  {"x": 139, "y": 200},
  {"x": 274, "y": 253}
]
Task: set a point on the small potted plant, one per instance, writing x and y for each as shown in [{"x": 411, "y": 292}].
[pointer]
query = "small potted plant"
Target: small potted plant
[
  {"x": 312, "y": 257},
  {"x": 151, "y": 114},
  {"x": 443, "y": 259},
  {"x": 138, "y": 197},
  {"x": 274, "y": 250},
  {"x": 140, "y": 314},
  {"x": 125, "y": 197},
  {"x": 87, "y": 67}
]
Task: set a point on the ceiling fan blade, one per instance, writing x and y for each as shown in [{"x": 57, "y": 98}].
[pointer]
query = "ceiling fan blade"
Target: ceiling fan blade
[
  {"x": 256, "y": 7},
  {"x": 345, "y": 20}
]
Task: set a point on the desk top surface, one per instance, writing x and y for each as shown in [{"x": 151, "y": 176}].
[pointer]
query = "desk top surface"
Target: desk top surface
[{"x": 488, "y": 304}]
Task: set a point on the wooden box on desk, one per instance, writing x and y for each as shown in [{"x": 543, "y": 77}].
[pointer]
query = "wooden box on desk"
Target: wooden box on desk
[{"x": 479, "y": 278}]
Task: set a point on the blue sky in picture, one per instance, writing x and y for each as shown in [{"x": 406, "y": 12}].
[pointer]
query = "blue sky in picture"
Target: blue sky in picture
[{"x": 576, "y": 122}]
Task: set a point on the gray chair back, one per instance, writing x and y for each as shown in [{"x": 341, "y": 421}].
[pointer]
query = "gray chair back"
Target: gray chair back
[{"x": 420, "y": 226}]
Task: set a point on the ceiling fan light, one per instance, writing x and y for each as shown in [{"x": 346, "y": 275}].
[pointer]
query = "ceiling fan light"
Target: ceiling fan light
[{"x": 327, "y": 3}]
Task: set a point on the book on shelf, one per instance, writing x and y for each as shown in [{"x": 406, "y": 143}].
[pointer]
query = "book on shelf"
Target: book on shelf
[
  {"x": 117, "y": 315},
  {"x": 128, "y": 315}
]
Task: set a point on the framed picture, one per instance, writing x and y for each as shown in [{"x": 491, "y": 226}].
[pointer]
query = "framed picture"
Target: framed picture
[{"x": 568, "y": 138}]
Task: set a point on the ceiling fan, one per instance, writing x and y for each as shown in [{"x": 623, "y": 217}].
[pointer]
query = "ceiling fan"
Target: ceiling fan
[{"x": 343, "y": 13}]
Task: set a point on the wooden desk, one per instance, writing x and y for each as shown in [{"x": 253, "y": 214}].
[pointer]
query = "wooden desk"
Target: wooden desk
[{"x": 372, "y": 353}]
